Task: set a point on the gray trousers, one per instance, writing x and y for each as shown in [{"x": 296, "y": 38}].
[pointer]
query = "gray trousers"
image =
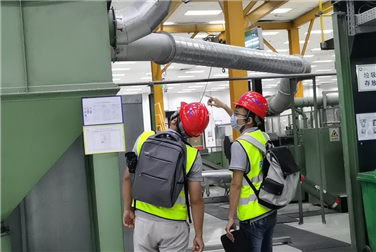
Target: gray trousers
[{"x": 163, "y": 236}]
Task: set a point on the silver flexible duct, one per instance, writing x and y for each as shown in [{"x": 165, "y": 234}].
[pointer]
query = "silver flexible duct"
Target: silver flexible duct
[
  {"x": 139, "y": 19},
  {"x": 163, "y": 48},
  {"x": 308, "y": 101}
]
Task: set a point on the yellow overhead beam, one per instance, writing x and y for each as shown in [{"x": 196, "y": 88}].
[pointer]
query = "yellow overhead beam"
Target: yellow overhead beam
[
  {"x": 261, "y": 11},
  {"x": 193, "y": 28},
  {"x": 307, "y": 36},
  {"x": 174, "y": 6},
  {"x": 270, "y": 46},
  {"x": 311, "y": 15},
  {"x": 156, "y": 74},
  {"x": 233, "y": 12},
  {"x": 275, "y": 26},
  {"x": 249, "y": 7}
]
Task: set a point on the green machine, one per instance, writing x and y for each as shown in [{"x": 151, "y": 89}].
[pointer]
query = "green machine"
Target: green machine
[
  {"x": 331, "y": 154},
  {"x": 53, "y": 54}
]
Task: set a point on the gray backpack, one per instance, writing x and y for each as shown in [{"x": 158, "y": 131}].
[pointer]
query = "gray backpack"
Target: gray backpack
[
  {"x": 281, "y": 174},
  {"x": 160, "y": 173}
]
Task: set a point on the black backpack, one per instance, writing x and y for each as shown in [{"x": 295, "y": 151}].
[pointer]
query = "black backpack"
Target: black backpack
[{"x": 160, "y": 173}]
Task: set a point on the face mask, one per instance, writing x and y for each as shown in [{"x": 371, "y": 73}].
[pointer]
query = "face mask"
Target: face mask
[{"x": 234, "y": 123}]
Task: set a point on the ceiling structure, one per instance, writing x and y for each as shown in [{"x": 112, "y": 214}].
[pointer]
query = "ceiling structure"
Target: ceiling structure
[{"x": 188, "y": 15}]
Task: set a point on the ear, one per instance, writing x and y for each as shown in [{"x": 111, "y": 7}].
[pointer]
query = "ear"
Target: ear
[{"x": 250, "y": 121}]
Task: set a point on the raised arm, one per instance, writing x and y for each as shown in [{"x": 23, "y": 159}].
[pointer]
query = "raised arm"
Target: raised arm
[{"x": 214, "y": 102}]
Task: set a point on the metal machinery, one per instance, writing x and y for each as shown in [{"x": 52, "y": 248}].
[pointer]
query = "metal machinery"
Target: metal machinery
[
  {"x": 354, "y": 35},
  {"x": 53, "y": 196}
]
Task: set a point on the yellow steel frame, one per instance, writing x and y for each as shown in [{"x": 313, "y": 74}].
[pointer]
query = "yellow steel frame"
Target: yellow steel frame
[
  {"x": 261, "y": 12},
  {"x": 294, "y": 48},
  {"x": 156, "y": 74},
  {"x": 233, "y": 11},
  {"x": 311, "y": 15},
  {"x": 270, "y": 46}
]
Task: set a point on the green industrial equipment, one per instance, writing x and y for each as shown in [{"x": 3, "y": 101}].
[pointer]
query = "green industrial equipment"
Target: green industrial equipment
[
  {"x": 331, "y": 160},
  {"x": 53, "y": 54},
  {"x": 354, "y": 33}
]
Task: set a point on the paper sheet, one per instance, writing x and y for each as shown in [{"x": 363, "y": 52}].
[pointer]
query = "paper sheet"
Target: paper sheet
[
  {"x": 102, "y": 110},
  {"x": 104, "y": 139},
  {"x": 366, "y": 124}
]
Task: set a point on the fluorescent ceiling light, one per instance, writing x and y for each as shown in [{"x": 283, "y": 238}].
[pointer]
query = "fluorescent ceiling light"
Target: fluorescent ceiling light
[
  {"x": 195, "y": 86},
  {"x": 224, "y": 85},
  {"x": 181, "y": 92},
  {"x": 221, "y": 75},
  {"x": 120, "y": 69},
  {"x": 269, "y": 33},
  {"x": 124, "y": 62},
  {"x": 133, "y": 89},
  {"x": 168, "y": 23},
  {"x": 281, "y": 10},
  {"x": 218, "y": 88},
  {"x": 316, "y": 49},
  {"x": 170, "y": 87},
  {"x": 188, "y": 89},
  {"x": 114, "y": 75},
  {"x": 308, "y": 56},
  {"x": 145, "y": 78},
  {"x": 200, "y": 71},
  {"x": 201, "y": 66},
  {"x": 319, "y": 31},
  {"x": 129, "y": 93},
  {"x": 313, "y": 66},
  {"x": 186, "y": 76},
  {"x": 200, "y": 83},
  {"x": 320, "y": 77},
  {"x": 217, "y": 22},
  {"x": 334, "y": 79},
  {"x": 148, "y": 74},
  {"x": 323, "y": 61},
  {"x": 323, "y": 70},
  {"x": 202, "y": 12},
  {"x": 333, "y": 55},
  {"x": 116, "y": 79},
  {"x": 268, "y": 80}
]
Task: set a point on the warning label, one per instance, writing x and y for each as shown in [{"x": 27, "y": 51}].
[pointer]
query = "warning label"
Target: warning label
[{"x": 334, "y": 134}]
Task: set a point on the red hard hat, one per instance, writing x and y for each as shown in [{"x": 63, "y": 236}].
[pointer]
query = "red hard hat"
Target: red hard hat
[
  {"x": 194, "y": 118},
  {"x": 254, "y": 102}
]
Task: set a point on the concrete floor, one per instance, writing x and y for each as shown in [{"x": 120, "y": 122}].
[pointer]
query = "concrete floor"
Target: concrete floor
[{"x": 336, "y": 227}]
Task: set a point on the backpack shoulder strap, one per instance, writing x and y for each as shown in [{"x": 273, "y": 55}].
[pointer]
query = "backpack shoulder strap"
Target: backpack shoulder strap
[{"x": 253, "y": 141}]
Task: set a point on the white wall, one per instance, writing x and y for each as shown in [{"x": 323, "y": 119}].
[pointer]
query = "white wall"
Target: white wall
[
  {"x": 146, "y": 112},
  {"x": 172, "y": 102}
]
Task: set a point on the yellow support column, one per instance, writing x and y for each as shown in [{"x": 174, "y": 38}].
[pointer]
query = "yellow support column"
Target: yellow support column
[
  {"x": 233, "y": 12},
  {"x": 294, "y": 48},
  {"x": 156, "y": 74}
]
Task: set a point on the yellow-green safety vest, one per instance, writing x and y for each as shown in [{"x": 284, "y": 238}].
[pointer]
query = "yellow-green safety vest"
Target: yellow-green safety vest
[
  {"x": 179, "y": 210},
  {"x": 248, "y": 206}
]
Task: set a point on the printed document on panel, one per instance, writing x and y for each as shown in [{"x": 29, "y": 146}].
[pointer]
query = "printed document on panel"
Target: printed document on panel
[
  {"x": 104, "y": 139},
  {"x": 102, "y": 110}
]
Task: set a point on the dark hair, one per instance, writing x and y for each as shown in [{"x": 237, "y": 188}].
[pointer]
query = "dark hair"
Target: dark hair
[{"x": 256, "y": 120}]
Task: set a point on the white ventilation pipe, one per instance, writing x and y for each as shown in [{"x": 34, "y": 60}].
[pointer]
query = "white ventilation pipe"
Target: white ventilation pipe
[
  {"x": 139, "y": 19},
  {"x": 163, "y": 48}
]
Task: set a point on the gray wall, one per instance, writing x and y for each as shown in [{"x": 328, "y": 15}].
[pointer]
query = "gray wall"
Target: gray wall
[
  {"x": 133, "y": 126},
  {"x": 56, "y": 214}
]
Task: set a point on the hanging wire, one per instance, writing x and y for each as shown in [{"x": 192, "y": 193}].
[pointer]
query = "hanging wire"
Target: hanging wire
[{"x": 206, "y": 84}]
